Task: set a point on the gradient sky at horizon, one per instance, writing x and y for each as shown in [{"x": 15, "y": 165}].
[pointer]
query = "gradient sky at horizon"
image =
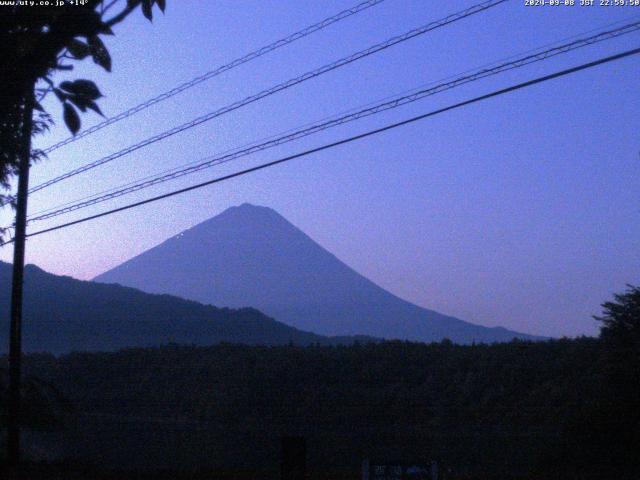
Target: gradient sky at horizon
[{"x": 520, "y": 211}]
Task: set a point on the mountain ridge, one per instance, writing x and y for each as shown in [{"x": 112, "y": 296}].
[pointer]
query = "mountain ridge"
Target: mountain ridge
[{"x": 63, "y": 314}]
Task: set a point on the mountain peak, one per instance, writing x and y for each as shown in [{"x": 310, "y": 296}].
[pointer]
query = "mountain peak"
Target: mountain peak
[
  {"x": 249, "y": 207},
  {"x": 246, "y": 212}
]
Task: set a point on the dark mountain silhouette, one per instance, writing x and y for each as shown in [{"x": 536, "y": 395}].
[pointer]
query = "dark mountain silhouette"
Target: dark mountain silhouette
[
  {"x": 62, "y": 314},
  {"x": 252, "y": 256}
]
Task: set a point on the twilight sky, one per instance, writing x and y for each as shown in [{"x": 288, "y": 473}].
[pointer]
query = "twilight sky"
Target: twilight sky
[{"x": 520, "y": 211}]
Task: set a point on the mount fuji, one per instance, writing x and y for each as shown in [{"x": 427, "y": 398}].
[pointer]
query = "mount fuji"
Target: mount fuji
[{"x": 251, "y": 256}]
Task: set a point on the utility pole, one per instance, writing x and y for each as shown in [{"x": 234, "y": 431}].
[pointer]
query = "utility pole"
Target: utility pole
[{"x": 15, "y": 334}]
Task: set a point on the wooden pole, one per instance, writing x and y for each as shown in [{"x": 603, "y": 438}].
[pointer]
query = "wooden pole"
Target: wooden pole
[{"x": 15, "y": 335}]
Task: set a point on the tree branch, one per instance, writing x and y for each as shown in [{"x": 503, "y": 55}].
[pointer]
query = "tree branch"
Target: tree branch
[
  {"x": 121, "y": 16},
  {"x": 106, "y": 8}
]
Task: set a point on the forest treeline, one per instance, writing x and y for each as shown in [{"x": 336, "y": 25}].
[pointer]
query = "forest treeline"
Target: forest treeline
[{"x": 512, "y": 410}]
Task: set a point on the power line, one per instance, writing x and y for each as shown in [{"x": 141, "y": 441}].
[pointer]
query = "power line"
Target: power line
[
  {"x": 217, "y": 71},
  {"x": 282, "y": 86},
  {"x": 343, "y": 112},
  {"x": 381, "y": 107},
  {"x": 495, "y": 93},
  {"x": 285, "y": 85},
  {"x": 212, "y": 161}
]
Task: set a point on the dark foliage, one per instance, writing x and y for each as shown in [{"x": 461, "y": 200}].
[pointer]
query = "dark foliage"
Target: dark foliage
[
  {"x": 515, "y": 410},
  {"x": 44, "y": 405},
  {"x": 621, "y": 320},
  {"x": 617, "y": 417}
]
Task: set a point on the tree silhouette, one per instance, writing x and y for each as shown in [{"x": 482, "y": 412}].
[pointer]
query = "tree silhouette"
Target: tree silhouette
[
  {"x": 621, "y": 319},
  {"x": 35, "y": 43},
  {"x": 616, "y": 421}
]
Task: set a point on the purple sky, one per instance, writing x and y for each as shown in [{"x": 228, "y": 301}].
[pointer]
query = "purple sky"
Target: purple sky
[{"x": 520, "y": 211}]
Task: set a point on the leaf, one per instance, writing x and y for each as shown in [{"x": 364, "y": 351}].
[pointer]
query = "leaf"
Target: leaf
[
  {"x": 79, "y": 102},
  {"x": 83, "y": 88},
  {"x": 60, "y": 94},
  {"x": 85, "y": 22},
  {"x": 88, "y": 88},
  {"x": 71, "y": 118},
  {"x": 100, "y": 53},
  {"x": 94, "y": 106},
  {"x": 147, "y": 9},
  {"x": 162, "y": 4},
  {"x": 78, "y": 49},
  {"x": 105, "y": 29}
]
